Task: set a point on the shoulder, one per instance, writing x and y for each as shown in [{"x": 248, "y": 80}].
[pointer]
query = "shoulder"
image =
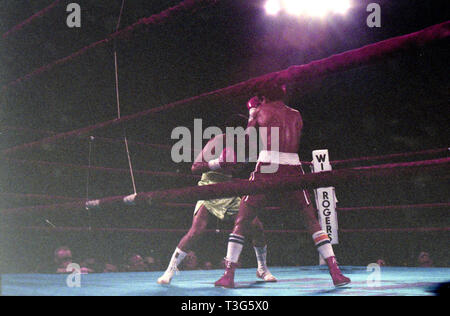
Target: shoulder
[
  {"x": 295, "y": 114},
  {"x": 292, "y": 111}
]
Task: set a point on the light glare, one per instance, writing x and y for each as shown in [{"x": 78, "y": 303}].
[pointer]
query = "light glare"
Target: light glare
[
  {"x": 315, "y": 8},
  {"x": 273, "y": 7},
  {"x": 294, "y": 7},
  {"x": 339, "y": 6}
]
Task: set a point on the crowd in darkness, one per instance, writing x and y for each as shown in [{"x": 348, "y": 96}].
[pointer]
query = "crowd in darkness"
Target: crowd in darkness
[{"x": 63, "y": 263}]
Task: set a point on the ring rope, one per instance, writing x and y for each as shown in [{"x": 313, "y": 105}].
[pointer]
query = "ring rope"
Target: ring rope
[
  {"x": 169, "y": 147},
  {"x": 345, "y": 209},
  {"x": 391, "y": 156},
  {"x": 191, "y": 205},
  {"x": 89, "y": 167},
  {"x": 337, "y": 63},
  {"x": 396, "y": 171},
  {"x": 22, "y": 24},
  {"x": 116, "y": 72},
  {"x": 272, "y": 231},
  {"x": 88, "y": 178},
  {"x": 39, "y": 196},
  {"x": 102, "y": 169},
  {"x": 26, "y": 130},
  {"x": 97, "y": 138},
  {"x": 394, "y": 207},
  {"x": 399, "y": 171},
  {"x": 157, "y": 146},
  {"x": 185, "y": 7}
]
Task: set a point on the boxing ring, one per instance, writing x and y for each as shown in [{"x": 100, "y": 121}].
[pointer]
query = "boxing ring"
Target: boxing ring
[{"x": 293, "y": 281}]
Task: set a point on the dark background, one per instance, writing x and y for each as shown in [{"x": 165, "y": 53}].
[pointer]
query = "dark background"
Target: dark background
[{"x": 399, "y": 105}]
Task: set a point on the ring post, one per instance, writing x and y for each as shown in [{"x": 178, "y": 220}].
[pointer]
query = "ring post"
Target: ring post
[{"x": 325, "y": 199}]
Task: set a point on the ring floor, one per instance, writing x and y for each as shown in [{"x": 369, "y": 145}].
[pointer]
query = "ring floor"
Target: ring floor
[{"x": 293, "y": 281}]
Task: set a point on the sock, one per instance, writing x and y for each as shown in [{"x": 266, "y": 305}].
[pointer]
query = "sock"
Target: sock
[
  {"x": 235, "y": 245},
  {"x": 261, "y": 257},
  {"x": 323, "y": 244},
  {"x": 177, "y": 258}
]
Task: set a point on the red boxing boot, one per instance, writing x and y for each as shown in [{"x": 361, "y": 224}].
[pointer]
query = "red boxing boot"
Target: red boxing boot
[
  {"x": 338, "y": 278},
  {"x": 227, "y": 280}
]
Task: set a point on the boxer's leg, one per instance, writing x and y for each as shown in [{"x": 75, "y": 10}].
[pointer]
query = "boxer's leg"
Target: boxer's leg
[
  {"x": 198, "y": 228},
  {"x": 242, "y": 226},
  {"x": 260, "y": 246},
  {"x": 258, "y": 237},
  {"x": 199, "y": 225},
  {"x": 321, "y": 239}
]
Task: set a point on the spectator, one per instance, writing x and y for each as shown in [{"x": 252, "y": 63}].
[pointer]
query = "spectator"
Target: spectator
[
  {"x": 190, "y": 261},
  {"x": 151, "y": 263},
  {"x": 109, "y": 268},
  {"x": 208, "y": 265},
  {"x": 424, "y": 260},
  {"x": 62, "y": 258},
  {"x": 136, "y": 264},
  {"x": 89, "y": 265}
]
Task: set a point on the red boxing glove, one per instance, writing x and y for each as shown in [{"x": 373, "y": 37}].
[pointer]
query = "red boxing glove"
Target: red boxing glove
[{"x": 253, "y": 103}]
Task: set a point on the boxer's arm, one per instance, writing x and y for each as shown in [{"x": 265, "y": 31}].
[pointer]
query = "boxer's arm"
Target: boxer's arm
[
  {"x": 300, "y": 122},
  {"x": 252, "y": 126},
  {"x": 200, "y": 165}
]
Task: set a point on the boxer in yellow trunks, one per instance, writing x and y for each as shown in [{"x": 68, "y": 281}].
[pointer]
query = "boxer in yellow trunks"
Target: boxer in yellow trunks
[{"x": 214, "y": 171}]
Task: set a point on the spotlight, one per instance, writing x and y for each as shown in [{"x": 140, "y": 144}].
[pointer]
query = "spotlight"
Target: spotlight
[
  {"x": 314, "y": 8},
  {"x": 339, "y": 6},
  {"x": 317, "y": 8},
  {"x": 273, "y": 7},
  {"x": 295, "y": 7}
]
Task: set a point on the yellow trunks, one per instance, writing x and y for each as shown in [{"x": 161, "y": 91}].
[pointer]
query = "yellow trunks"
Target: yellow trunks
[{"x": 221, "y": 208}]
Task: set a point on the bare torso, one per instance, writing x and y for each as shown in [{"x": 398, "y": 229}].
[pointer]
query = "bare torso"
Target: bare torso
[{"x": 288, "y": 121}]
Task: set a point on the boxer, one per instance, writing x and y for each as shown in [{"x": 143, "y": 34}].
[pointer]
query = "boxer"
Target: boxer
[
  {"x": 214, "y": 171},
  {"x": 270, "y": 111}
]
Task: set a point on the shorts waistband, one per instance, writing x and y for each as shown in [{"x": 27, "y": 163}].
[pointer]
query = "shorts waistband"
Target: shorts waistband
[{"x": 279, "y": 158}]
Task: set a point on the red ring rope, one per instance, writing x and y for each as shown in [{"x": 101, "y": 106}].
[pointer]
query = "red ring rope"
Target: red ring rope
[
  {"x": 400, "y": 171},
  {"x": 393, "y": 207},
  {"x": 346, "y": 209},
  {"x": 187, "y": 6},
  {"x": 384, "y": 157},
  {"x": 192, "y": 205},
  {"x": 96, "y": 138},
  {"x": 337, "y": 63},
  {"x": 30, "y": 19},
  {"x": 273, "y": 231},
  {"x": 39, "y": 196},
  {"x": 103, "y": 169}
]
